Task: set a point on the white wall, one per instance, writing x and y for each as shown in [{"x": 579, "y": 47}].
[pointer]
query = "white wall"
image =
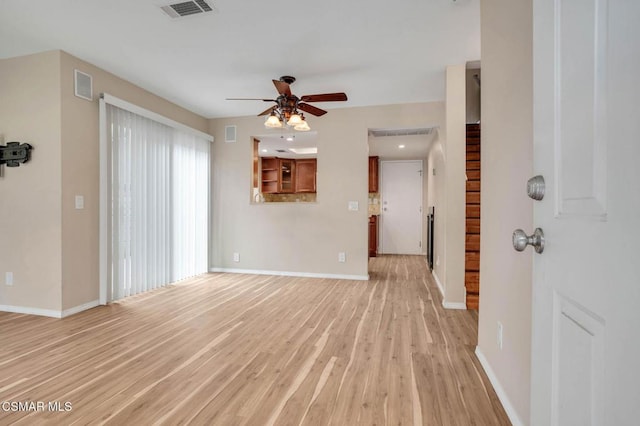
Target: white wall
[
  {"x": 303, "y": 237},
  {"x": 507, "y": 163}
]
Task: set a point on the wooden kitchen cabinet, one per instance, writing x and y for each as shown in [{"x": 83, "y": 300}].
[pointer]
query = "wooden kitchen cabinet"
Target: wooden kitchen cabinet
[
  {"x": 305, "y": 175},
  {"x": 373, "y": 174},
  {"x": 269, "y": 175},
  {"x": 286, "y": 178},
  {"x": 373, "y": 236}
]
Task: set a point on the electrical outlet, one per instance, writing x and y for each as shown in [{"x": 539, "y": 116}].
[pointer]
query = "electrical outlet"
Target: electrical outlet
[
  {"x": 342, "y": 257},
  {"x": 8, "y": 278},
  {"x": 236, "y": 257},
  {"x": 499, "y": 335}
]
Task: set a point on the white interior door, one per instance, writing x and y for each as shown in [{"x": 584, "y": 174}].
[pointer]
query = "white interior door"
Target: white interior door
[
  {"x": 401, "y": 213},
  {"x": 586, "y": 283}
]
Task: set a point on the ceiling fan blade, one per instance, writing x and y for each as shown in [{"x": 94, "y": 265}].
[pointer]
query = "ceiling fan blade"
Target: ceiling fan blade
[
  {"x": 250, "y": 99},
  {"x": 282, "y": 87},
  {"x": 311, "y": 109},
  {"x": 267, "y": 111},
  {"x": 325, "y": 97}
]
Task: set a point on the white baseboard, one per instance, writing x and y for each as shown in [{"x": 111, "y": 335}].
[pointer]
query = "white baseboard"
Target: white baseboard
[
  {"x": 48, "y": 312},
  {"x": 502, "y": 395},
  {"x": 454, "y": 305},
  {"x": 447, "y": 305},
  {"x": 31, "y": 311},
  {"x": 440, "y": 286},
  {"x": 291, "y": 274},
  {"x": 80, "y": 308}
]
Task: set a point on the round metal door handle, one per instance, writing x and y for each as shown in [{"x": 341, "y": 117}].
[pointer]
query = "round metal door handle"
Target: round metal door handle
[{"x": 521, "y": 240}]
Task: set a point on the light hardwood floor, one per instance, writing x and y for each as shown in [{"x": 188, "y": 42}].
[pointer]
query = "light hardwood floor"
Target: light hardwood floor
[{"x": 226, "y": 349}]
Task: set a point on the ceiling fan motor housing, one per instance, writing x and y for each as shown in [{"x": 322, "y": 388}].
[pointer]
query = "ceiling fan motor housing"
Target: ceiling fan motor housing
[
  {"x": 287, "y": 105},
  {"x": 287, "y": 79}
]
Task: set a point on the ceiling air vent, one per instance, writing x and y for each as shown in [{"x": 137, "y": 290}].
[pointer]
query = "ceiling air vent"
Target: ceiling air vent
[
  {"x": 401, "y": 132},
  {"x": 186, "y": 8}
]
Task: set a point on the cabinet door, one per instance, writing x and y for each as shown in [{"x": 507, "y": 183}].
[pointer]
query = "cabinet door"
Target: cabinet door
[
  {"x": 287, "y": 175},
  {"x": 306, "y": 175},
  {"x": 373, "y": 174},
  {"x": 373, "y": 236}
]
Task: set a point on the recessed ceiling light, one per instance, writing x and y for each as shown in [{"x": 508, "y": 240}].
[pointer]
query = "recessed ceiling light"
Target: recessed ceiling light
[
  {"x": 264, "y": 150},
  {"x": 401, "y": 146},
  {"x": 302, "y": 151},
  {"x": 290, "y": 139}
]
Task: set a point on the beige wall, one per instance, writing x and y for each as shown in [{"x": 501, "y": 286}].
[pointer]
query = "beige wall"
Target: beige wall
[
  {"x": 52, "y": 248},
  {"x": 473, "y": 95},
  {"x": 507, "y": 162},
  {"x": 436, "y": 198},
  {"x": 80, "y": 170},
  {"x": 30, "y": 213},
  {"x": 455, "y": 154},
  {"x": 425, "y": 197},
  {"x": 303, "y": 237}
]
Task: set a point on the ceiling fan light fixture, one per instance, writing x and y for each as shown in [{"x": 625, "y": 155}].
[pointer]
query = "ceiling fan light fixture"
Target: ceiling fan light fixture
[
  {"x": 273, "y": 121},
  {"x": 295, "y": 119},
  {"x": 302, "y": 127}
]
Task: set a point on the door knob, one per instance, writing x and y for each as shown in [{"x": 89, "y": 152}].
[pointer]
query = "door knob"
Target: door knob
[{"x": 522, "y": 240}]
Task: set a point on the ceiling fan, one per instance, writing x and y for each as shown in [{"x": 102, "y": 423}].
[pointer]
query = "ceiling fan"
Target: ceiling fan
[{"x": 287, "y": 105}]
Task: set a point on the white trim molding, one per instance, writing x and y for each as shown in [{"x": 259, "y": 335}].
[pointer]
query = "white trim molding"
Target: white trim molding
[
  {"x": 80, "y": 308},
  {"x": 122, "y": 104},
  {"x": 502, "y": 395},
  {"x": 445, "y": 304},
  {"x": 440, "y": 286},
  {"x": 31, "y": 311},
  {"x": 454, "y": 305},
  {"x": 292, "y": 274},
  {"x": 49, "y": 312}
]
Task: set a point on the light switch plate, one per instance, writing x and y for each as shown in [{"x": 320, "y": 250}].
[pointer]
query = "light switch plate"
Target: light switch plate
[
  {"x": 353, "y": 206},
  {"x": 79, "y": 202}
]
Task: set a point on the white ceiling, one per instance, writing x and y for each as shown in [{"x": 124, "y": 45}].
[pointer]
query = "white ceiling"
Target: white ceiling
[
  {"x": 284, "y": 140},
  {"x": 402, "y": 147},
  {"x": 378, "y": 52}
]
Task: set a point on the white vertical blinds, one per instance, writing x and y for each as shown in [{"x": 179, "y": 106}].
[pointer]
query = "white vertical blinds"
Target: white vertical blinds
[{"x": 159, "y": 194}]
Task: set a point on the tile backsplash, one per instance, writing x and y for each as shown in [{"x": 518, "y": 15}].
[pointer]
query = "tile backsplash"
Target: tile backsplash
[
  {"x": 374, "y": 204},
  {"x": 290, "y": 198}
]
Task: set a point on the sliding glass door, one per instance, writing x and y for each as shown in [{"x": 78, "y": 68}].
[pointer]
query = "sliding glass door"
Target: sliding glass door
[{"x": 157, "y": 200}]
